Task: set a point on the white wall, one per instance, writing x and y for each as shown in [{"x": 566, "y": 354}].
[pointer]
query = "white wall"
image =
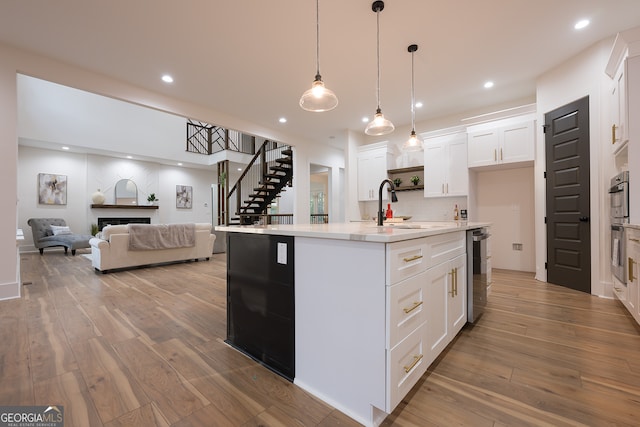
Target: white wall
[
  {"x": 505, "y": 198},
  {"x": 86, "y": 173}
]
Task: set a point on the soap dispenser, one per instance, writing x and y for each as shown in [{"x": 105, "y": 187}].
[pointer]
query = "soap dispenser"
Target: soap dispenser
[
  {"x": 455, "y": 213},
  {"x": 389, "y": 211}
]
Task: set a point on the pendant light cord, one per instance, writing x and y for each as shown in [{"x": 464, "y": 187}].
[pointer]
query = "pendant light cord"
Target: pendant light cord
[
  {"x": 413, "y": 99},
  {"x": 378, "y": 56},
  {"x": 317, "y": 39}
]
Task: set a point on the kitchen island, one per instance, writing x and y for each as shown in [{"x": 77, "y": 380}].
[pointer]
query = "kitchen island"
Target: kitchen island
[{"x": 363, "y": 309}]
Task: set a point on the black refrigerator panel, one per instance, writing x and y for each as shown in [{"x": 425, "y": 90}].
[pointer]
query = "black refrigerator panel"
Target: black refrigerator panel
[{"x": 260, "y": 299}]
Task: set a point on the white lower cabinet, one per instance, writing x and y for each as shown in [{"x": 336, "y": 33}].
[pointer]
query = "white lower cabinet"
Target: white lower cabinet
[
  {"x": 425, "y": 310},
  {"x": 632, "y": 301}
]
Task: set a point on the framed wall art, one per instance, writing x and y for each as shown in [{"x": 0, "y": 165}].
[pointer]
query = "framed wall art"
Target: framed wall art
[
  {"x": 52, "y": 189},
  {"x": 184, "y": 195}
]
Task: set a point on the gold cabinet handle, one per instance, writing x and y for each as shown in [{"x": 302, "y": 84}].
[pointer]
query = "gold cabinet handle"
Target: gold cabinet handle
[
  {"x": 447, "y": 188},
  {"x": 443, "y": 188},
  {"x": 413, "y": 307},
  {"x": 634, "y": 240},
  {"x": 501, "y": 154},
  {"x": 613, "y": 134},
  {"x": 413, "y": 258},
  {"x": 452, "y": 291},
  {"x": 455, "y": 280},
  {"x": 495, "y": 155},
  {"x": 416, "y": 359},
  {"x": 630, "y": 262}
]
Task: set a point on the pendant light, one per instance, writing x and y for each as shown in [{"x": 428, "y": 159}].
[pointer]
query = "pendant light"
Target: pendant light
[
  {"x": 318, "y": 98},
  {"x": 379, "y": 125},
  {"x": 413, "y": 143}
]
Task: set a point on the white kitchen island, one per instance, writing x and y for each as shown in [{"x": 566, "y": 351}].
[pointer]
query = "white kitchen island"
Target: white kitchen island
[{"x": 374, "y": 306}]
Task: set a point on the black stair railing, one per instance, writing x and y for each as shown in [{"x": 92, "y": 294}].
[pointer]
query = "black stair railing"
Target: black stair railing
[
  {"x": 203, "y": 138},
  {"x": 265, "y": 177}
]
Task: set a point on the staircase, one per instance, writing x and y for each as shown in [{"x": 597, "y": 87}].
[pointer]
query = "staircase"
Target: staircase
[{"x": 266, "y": 176}]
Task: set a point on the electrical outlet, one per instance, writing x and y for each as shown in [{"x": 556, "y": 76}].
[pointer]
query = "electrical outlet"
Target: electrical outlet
[{"x": 516, "y": 246}]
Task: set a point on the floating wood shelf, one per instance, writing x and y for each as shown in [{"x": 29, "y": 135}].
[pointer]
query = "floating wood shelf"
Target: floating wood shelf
[
  {"x": 124, "y": 206},
  {"x": 406, "y": 170},
  {"x": 410, "y": 188}
]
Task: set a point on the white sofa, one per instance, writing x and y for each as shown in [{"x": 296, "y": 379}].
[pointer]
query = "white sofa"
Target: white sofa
[{"x": 110, "y": 249}]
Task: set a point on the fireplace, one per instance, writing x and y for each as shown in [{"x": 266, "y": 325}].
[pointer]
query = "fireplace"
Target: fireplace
[{"x": 102, "y": 222}]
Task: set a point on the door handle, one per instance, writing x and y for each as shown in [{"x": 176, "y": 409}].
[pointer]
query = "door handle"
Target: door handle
[{"x": 584, "y": 219}]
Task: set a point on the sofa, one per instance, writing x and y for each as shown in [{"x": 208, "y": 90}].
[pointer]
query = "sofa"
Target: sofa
[
  {"x": 54, "y": 232},
  {"x": 124, "y": 246}
]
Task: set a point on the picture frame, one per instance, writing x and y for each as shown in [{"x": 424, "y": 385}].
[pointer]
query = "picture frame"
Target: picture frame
[
  {"x": 184, "y": 196},
  {"x": 52, "y": 189}
]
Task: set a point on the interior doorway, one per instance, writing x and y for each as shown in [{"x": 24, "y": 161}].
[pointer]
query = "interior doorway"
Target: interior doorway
[
  {"x": 319, "y": 194},
  {"x": 568, "y": 196}
]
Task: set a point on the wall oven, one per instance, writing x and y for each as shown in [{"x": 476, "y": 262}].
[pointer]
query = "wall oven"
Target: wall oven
[{"x": 619, "y": 213}]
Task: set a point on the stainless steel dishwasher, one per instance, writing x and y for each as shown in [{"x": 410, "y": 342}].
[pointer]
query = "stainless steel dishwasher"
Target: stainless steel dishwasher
[{"x": 478, "y": 266}]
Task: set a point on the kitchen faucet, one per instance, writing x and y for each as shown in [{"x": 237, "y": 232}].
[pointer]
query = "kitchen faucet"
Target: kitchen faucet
[{"x": 394, "y": 199}]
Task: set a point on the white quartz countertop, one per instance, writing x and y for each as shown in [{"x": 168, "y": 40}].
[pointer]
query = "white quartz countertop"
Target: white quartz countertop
[
  {"x": 359, "y": 231},
  {"x": 634, "y": 226}
]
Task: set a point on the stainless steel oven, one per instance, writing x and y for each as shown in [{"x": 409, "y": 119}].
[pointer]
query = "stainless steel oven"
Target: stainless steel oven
[
  {"x": 618, "y": 253},
  {"x": 619, "y": 198},
  {"x": 619, "y": 213}
]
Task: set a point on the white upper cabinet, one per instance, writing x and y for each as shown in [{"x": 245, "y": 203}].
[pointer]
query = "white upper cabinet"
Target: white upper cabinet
[
  {"x": 445, "y": 166},
  {"x": 504, "y": 142},
  {"x": 373, "y": 162},
  {"x": 618, "y": 116}
]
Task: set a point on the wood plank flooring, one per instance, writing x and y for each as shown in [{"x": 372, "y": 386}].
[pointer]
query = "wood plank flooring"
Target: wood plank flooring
[{"x": 145, "y": 347}]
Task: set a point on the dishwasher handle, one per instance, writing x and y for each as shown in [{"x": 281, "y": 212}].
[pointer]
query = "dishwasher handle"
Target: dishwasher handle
[{"x": 479, "y": 237}]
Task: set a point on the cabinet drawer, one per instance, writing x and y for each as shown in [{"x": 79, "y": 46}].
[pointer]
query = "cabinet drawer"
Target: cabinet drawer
[
  {"x": 406, "y": 308},
  {"x": 407, "y": 259},
  {"x": 443, "y": 247},
  {"x": 407, "y": 362}
]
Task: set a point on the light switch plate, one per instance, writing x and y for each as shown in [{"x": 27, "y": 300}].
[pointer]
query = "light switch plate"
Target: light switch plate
[{"x": 282, "y": 253}]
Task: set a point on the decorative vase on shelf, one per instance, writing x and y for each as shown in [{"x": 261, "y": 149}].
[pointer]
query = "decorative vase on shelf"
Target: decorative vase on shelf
[{"x": 97, "y": 198}]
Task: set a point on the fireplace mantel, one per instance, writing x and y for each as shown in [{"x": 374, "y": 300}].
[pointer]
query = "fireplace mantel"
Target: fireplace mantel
[{"x": 124, "y": 206}]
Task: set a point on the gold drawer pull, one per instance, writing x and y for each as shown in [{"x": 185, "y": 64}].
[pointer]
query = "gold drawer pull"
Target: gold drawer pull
[
  {"x": 415, "y": 305},
  {"x": 416, "y": 359},
  {"x": 613, "y": 134},
  {"x": 413, "y": 258},
  {"x": 634, "y": 240},
  {"x": 630, "y": 262}
]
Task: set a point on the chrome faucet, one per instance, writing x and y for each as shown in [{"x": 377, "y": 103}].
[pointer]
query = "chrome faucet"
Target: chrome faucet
[{"x": 393, "y": 198}]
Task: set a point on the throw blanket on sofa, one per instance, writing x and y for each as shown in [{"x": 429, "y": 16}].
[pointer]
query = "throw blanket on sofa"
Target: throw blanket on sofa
[{"x": 143, "y": 237}]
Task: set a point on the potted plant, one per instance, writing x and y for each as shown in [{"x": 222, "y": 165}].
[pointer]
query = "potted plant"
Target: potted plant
[
  {"x": 152, "y": 199},
  {"x": 397, "y": 182},
  {"x": 94, "y": 228},
  {"x": 415, "y": 179}
]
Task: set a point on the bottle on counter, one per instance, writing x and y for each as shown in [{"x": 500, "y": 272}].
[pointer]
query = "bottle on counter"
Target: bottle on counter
[
  {"x": 455, "y": 213},
  {"x": 389, "y": 211}
]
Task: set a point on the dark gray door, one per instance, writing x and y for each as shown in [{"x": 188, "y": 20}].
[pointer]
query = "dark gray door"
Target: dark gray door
[{"x": 567, "y": 160}]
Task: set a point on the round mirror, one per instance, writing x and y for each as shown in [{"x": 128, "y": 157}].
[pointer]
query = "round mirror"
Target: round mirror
[{"x": 126, "y": 192}]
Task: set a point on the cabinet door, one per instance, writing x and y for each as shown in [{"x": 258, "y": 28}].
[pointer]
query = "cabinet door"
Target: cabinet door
[
  {"x": 437, "y": 293},
  {"x": 482, "y": 148},
  {"x": 457, "y": 298},
  {"x": 372, "y": 170},
  {"x": 619, "y": 134},
  {"x": 517, "y": 143},
  {"x": 633, "y": 257},
  {"x": 457, "y": 171},
  {"x": 435, "y": 158}
]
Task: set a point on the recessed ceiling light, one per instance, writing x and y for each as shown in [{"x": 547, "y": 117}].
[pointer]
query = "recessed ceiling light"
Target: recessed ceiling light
[
  {"x": 581, "y": 24},
  {"x": 167, "y": 78},
  {"x": 239, "y": 169},
  {"x": 365, "y": 120},
  {"x": 65, "y": 148},
  {"x": 419, "y": 104},
  {"x": 282, "y": 120},
  {"x": 129, "y": 157},
  {"x": 488, "y": 85},
  {"x": 179, "y": 164}
]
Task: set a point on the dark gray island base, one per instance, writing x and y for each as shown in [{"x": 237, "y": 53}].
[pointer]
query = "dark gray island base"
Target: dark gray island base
[{"x": 260, "y": 299}]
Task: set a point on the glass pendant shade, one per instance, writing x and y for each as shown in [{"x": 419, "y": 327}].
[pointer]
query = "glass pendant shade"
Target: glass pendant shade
[
  {"x": 318, "y": 98},
  {"x": 379, "y": 125},
  {"x": 413, "y": 143}
]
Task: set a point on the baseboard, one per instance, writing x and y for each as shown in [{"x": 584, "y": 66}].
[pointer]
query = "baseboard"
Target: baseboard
[{"x": 9, "y": 291}]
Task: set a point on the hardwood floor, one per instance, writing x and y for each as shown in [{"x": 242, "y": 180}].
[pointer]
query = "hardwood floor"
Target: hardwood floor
[{"x": 145, "y": 347}]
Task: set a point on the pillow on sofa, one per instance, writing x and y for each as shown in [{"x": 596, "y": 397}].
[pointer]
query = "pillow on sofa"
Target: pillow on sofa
[{"x": 58, "y": 230}]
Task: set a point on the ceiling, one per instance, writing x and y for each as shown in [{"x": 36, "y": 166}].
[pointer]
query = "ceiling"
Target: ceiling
[{"x": 253, "y": 60}]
